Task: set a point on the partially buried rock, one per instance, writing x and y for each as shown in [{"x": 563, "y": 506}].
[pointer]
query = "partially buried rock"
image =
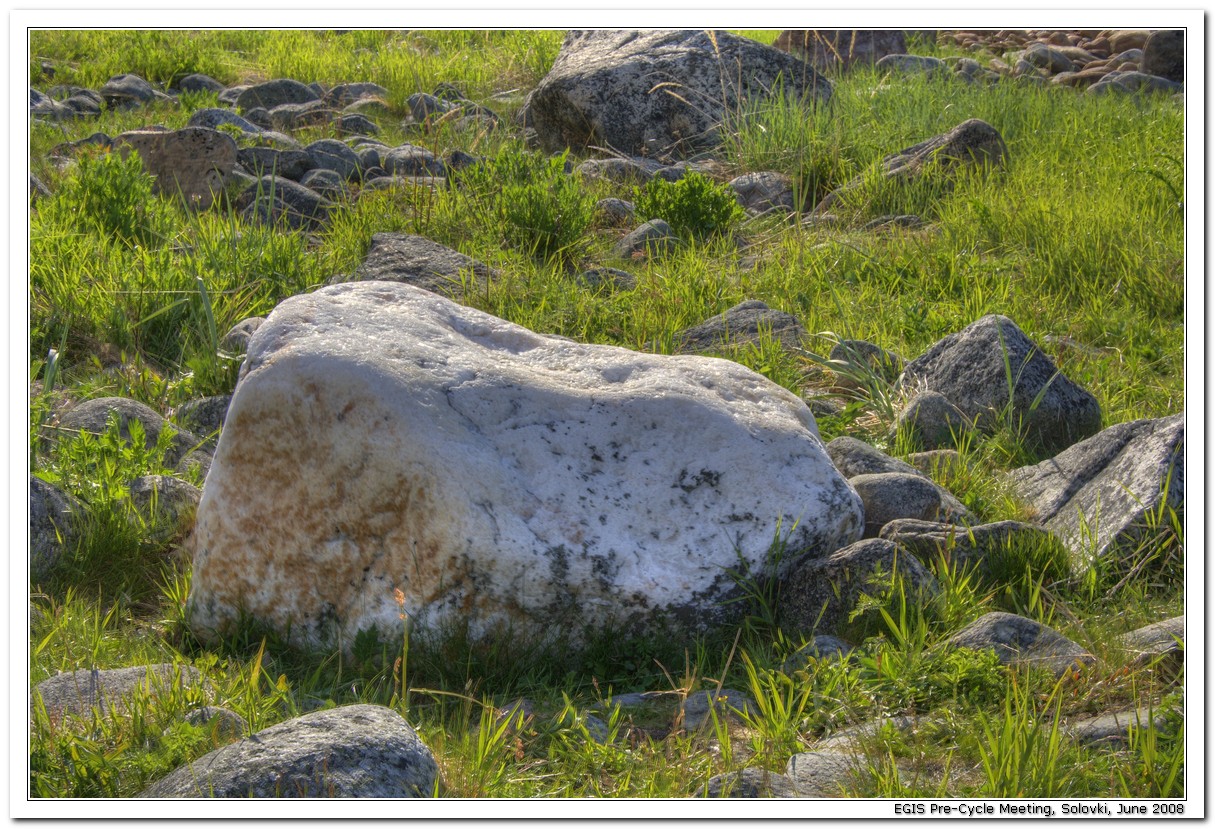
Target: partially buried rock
[
  {"x": 1162, "y": 642},
  {"x": 383, "y": 438},
  {"x": 273, "y": 200},
  {"x": 354, "y": 751},
  {"x": 820, "y": 593},
  {"x": 167, "y": 503},
  {"x": 973, "y": 369},
  {"x": 764, "y": 191},
  {"x": 727, "y": 704},
  {"x": 236, "y": 340},
  {"x": 653, "y": 237},
  {"x": 930, "y": 421},
  {"x": 95, "y": 415},
  {"x": 747, "y": 322},
  {"x": 612, "y": 278},
  {"x": 972, "y": 144},
  {"x": 418, "y": 261},
  {"x": 752, "y": 783},
  {"x": 1020, "y": 641},
  {"x": 860, "y": 364},
  {"x": 79, "y": 692},
  {"x": 986, "y": 547}
]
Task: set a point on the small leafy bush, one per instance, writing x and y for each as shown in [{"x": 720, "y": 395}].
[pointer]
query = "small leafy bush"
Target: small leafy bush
[
  {"x": 694, "y": 206},
  {"x": 530, "y": 199}
]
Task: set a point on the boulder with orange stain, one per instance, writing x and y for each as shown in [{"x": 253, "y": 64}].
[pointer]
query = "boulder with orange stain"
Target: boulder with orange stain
[{"x": 383, "y": 438}]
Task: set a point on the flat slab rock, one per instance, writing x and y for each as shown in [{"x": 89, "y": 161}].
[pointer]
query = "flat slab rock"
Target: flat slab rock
[
  {"x": 192, "y": 163},
  {"x": 383, "y": 438},
  {"x": 1096, "y": 495},
  {"x": 416, "y": 260},
  {"x": 354, "y": 751},
  {"x": 78, "y": 692}
]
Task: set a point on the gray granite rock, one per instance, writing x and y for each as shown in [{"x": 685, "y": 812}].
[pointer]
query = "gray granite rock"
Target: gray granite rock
[
  {"x": 1161, "y": 643},
  {"x": 365, "y": 751},
  {"x": 274, "y": 93},
  {"x": 79, "y": 692},
  {"x": 819, "y": 594},
  {"x": 888, "y": 496},
  {"x": 1020, "y": 641},
  {"x": 167, "y": 503},
  {"x": 52, "y": 530},
  {"x": 751, "y": 783},
  {"x": 418, "y": 261},
  {"x": 972, "y": 370},
  {"x": 94, "y": 416},
  {"x": 727, "y": 704},
  {"x": 745, "y": 323},
  {"x": 600, "y": 90},
  {"x": 1114, "y": 729},
  {"x": 1101, "y": 495},
  {"x": 655, "y": 237}
]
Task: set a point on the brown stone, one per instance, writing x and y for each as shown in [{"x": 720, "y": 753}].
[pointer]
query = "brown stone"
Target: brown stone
[
  {"x": 1124, "y": 39},
  {"x": 841, "y": 48},
  {"x": 192, "y": 162}
]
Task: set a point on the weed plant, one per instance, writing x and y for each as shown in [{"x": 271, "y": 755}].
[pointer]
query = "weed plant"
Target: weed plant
[{"x": 1079, "y": 237}]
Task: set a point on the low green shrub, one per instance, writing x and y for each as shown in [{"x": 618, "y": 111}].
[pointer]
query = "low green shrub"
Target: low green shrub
[
  {"x": 694, "y": 206},
  {"x": 539, "y": 208}
]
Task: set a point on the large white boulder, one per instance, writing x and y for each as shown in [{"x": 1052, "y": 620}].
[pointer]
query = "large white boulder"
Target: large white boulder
[{"x": 384, "y": 438}]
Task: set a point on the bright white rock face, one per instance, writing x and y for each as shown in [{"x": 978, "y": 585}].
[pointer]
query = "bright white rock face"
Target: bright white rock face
[{"x": 383, "y": 438}]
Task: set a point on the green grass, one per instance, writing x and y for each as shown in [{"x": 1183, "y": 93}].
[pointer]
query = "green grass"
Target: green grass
[{"x": 1080, "y": 237}]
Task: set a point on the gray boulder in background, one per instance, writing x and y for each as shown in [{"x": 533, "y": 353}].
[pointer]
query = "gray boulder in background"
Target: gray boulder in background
[
  {"x": 274, "y": 93},
  {"x": 658, "y": 92},
  {"x": 1100, "y": 496},
  {"x": 971, "y": 369},
  {"x": 1164, "y": 54},
  {"x": 353, "y": 751}
]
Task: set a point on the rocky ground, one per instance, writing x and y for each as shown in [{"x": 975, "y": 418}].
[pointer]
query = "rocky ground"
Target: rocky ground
[{"x": 541, "y": 422}]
